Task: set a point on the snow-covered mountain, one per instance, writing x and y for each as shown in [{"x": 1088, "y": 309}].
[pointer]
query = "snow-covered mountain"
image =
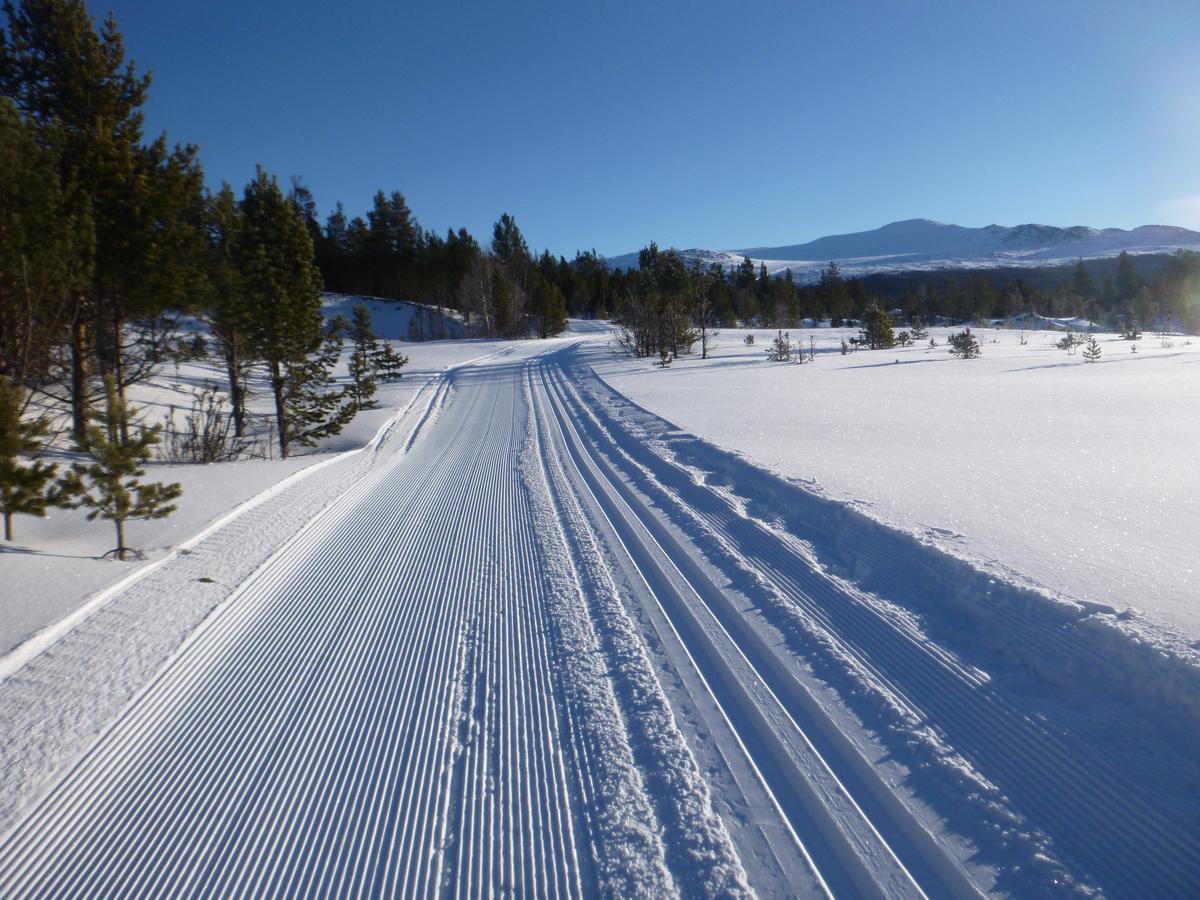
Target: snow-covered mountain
[{"x": 925, "y": 244}]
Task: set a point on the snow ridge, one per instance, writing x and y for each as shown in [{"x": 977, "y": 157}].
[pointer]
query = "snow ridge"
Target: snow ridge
[{"x": 698, "y": 847}]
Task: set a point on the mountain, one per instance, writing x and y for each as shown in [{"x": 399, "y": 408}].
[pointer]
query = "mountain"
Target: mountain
[{"x": 925, "y": 244}]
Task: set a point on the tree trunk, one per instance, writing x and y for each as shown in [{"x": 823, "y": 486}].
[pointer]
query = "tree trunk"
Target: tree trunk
[
  {"x": 237, "y": 393},
  {"x": 120, "y": 523},
  {"x": 280, "y": 408},
  {"x": 8, "y": 532},
  {"x": 79, "y": 374},
  {"x": 118, "y": 362}
]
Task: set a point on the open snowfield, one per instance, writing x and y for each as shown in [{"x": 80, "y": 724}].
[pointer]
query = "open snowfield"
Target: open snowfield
[
  {"x": 532, "y": 638},
  {"x": 1079, "y": 479}
]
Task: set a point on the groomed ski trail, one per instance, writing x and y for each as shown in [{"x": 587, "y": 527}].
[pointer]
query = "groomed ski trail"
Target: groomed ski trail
[
  {"x": 552, "y": 647},
  {"x": 376, "y": 712}
]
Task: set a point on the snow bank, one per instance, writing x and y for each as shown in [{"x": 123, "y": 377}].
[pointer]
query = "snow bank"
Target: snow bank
[{"x": 1075, "y": 479}]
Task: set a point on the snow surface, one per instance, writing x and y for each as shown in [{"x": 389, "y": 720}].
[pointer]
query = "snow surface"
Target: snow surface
[
  {"x": 1077, "y": 478},
  {"x": 533, "y": 638},
  {"x": 56, "y": 562}
]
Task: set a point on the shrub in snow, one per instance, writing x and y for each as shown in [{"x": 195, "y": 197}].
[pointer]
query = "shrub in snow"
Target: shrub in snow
[
  {"x": 965, "y": 345},
  {"x": 748, "y": 340},
  {"x": 1069, "y": 342},
  {"x": 904, "y": 339},
  {"x": 1091, "y": 352},
  {"x": 919, "y": 331},
  {"x": 781, "y": 348},
  {"x": 207, "y": 434},
  {"x": 664, "y": 358}
]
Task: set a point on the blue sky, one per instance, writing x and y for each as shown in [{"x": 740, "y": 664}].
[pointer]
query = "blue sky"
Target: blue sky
[{"x": 693, "y": 124}]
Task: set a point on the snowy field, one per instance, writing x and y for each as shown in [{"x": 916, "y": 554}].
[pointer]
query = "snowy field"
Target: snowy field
[
  {"x": 1079, "y": 479},
  {"x": 527, "y": 637}
]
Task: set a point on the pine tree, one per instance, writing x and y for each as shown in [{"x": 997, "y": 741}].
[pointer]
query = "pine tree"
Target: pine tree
[
  {"x": 965, "y": 345},
  {"x": 361, "y": 366},
  {"x": 876, "y": 330},
  {"x": 44, "y": 244},
  {"x": 110, "y": 486},
  {"x": 142, "y": 201},
  {"x": 781, "y": 348},
  {"x": 1091, "y": 350},
  {"x": 549, "y": 308},
  {"x": 372, "y": 360},
  {"x": 280, "y": 286},
  {"x": 919, "y": 331},
  {"x": 25, "y": 488},
  {"x": 314, "y": 407},
  {"x": 229, "y": 315}
]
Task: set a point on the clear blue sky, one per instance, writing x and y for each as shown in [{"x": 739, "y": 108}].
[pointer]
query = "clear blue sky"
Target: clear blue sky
[{"x": 693, "y": 124}]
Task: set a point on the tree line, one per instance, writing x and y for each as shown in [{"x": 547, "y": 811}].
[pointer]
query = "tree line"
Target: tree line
[
  {"x": 665, "y": 303},
  {"x": 108, "y": 241}
]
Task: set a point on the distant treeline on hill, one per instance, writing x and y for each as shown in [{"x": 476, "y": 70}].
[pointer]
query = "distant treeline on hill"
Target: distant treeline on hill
[{"x": 504, "y": 289}]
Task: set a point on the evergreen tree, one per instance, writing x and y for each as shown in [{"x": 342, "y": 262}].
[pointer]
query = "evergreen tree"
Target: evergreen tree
[
  {"x": 549, "y": 308},
  {"x": 280, "y": 286},
  {"x": 509, "y": 247},
  {"x": 781, "y": 348},
  {"x": 363, "y": 383},
  {"x": 1091, "y": 350},
  {"x": 229, "y": 314},
  {"x": 371, "y": 359},
  {"x": 143, "y": 203},
  {"x": 110, "y": 486},
  {"x": 314, "y": 407},
  {"x": 25, "y": 487},
  {"x": 44, "y": 245},
  {"x": 965, "y": 345},
  {"x": 876, "y": 330}
]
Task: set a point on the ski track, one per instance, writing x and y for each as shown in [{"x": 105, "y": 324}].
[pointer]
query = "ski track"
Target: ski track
[
  {"x": 374, "y": 714},
  {"x": 1057, "y": 809},
  {"x": 538, "y": 642}
]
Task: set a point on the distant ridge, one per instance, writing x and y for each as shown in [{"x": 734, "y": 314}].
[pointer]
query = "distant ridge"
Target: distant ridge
[{"x": 915, "y": 244}]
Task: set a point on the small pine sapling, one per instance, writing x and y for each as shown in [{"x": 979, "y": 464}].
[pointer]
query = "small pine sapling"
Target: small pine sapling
[
  {"x": 965, "y": 345},
  {"x": 919, "y": 331},
  {"x": 781, "y": 348},
  {"x": 110, "y": 486},
  {"x": 748, "y": 340},
  {"x": 664, "y": 358},
  {"x": 1091, "y": 351}
]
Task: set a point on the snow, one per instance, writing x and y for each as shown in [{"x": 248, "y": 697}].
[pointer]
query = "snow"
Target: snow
[
  {"x": 56, "y": 562},
  {"x": 533, "y": 636},
  {"x": 1076, "y": 478},
  {"x": 393, "y": 319}
]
